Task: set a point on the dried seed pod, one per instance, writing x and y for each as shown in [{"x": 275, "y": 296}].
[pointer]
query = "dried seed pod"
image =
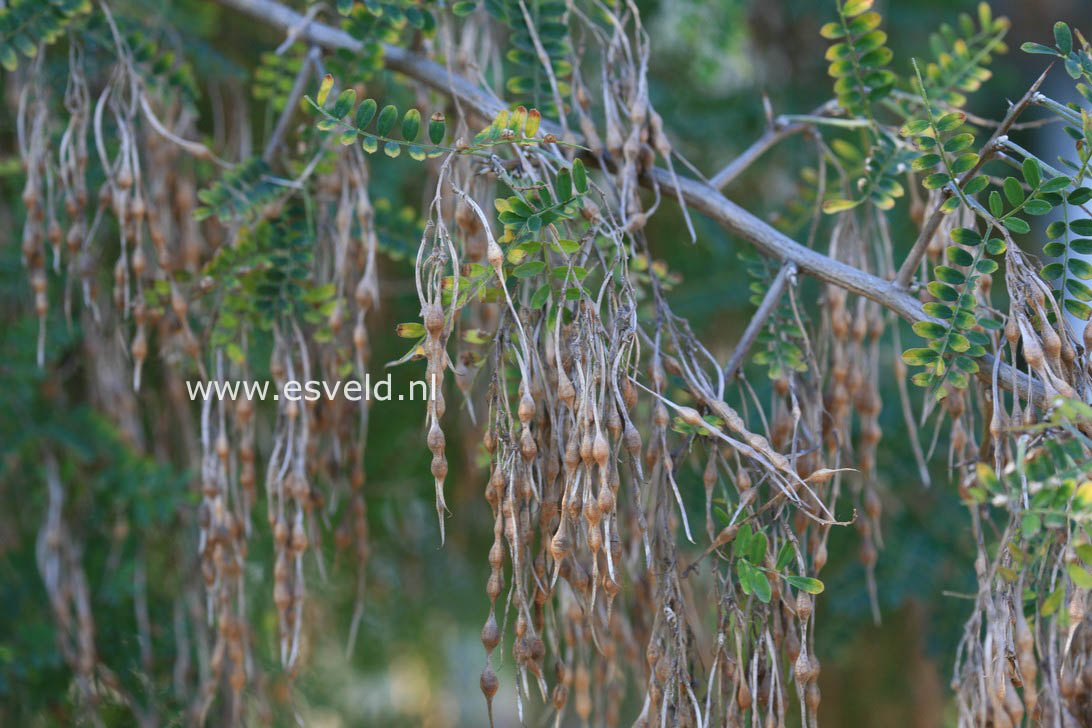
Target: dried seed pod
[
  {"x": 812, "y": 697},
  {"x": 632, "y": 440},
  {"x": 803, "y": 606},
  {"x": 560, "y": 546},
  {"x": 490, "y": 633},
  {"x": 743, "y": 696},
  {"x": 600, "y": 451},
  {"x": 489, "y": 684}
]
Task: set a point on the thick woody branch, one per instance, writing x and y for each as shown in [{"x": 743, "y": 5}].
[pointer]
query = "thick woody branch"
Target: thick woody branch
[
  {"x": 699, "y": 195},
  {"x": 695, "y": 193}
]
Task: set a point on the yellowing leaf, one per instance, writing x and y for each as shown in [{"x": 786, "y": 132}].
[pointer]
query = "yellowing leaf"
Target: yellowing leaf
[
  {"x": 1084, "y": 494},
  {"x": 838, "y": 204},
  {"x": 411, "y": 330},
  {"x": 324, "y": 89},
  {"x": 1081, "y": 578}
]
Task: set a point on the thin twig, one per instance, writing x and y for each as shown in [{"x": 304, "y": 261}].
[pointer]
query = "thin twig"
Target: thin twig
[
  {"x": 906, "y": 271},
  {"x": 291, "y": 104},
  {"x": 758, "y": 321},
  {"x": 980, "y": 120},
  {"x": 197, "y": 149},
  {"x": 772, "y": 136}
]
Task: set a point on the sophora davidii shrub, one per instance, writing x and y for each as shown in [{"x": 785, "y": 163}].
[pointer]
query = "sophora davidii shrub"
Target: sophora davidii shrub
[{"x": 542, "y": 301}]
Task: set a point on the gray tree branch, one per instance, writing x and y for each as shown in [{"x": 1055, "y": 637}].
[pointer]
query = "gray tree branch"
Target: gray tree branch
[{"x": 699, "y": 195}]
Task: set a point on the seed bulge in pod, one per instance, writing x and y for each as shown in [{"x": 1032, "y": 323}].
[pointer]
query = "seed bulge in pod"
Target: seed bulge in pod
[
  {"x": 691, "y": 417},
  {"x": 439, "y": 467},
  {"x": 527, "y": 447},
  {"x": 496, "y": 555},
  {"x": 632, "y": 440},
  {"x": 363, "y": 294},
  {"x": 140, "y": 346},
  {"x": 526, "y": 408},
  {"x": 489, "y": 683},
  {"x": 629, "y": 393},
  {"x": 496, "y": 482},
  {"x": 659, "y": 415},
  {"x": 436, "y": 439},
  {"x": 1033, "y": 351},
  {"x": 299, "y": 538},
  {"x": 536, "y": 648},
  {"x": 586, "y": 449},
  {"x": 595, "y": 538},
  {"x": 280, "y": 533},
  {"x": 606, "y": 500},
  {"x": 743, "y": 696},
  {"x": 433, "y": 317},
  {"x": 614, "y": 421},
  {"x": 600, "y": 450},
  {"x": 494, "y": 586},
  {"x": 560, "y": 545},
  {"x": 490, "y": 633},
  {"x": 792, "y": 645},
  {"x": 802, "y": 668},
  {"x": 566, "y": 392},
  {"x": 559, "y": 697},
  {"x": 819, "y": 560},
  {"x": 1052, "y": 343},
  {"x": 467, "y": 220},
  {"x": 814, "y": 669},
  {"x": 812, "y": 697}
]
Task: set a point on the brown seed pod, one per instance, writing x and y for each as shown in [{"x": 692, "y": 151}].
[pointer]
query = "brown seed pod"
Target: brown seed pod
[
  {"x": 494, "y": 586},
  {"x": 1052, "y": 345},
  {"x": 527, "y": 447},
  {"x": 802, "y": 668},
  {"x": 467, "y": 220},
  {"x": 819, "y": 557},
  {"x": 803, "y": 606},
  {"x": 792, "y": 645},
  {"x": 632, "y": 440},
  {"x": 560, "y": 696},
  {"x": 726, "y": 535},
  {"x": 490, "y": 633},
  {"x": 433, "y": 317},
  {"x": 1033, "y": 351},
  {"x": 600, "y": 451},
  {"x": 489, "y": 683},
  {"x": 496, "y": 555},
  {"x": 560, "y": 546},
  {"x": 606, "y": 500},
  {"x": 812, "y": 697},
  {"x": 743, "y": 696}
]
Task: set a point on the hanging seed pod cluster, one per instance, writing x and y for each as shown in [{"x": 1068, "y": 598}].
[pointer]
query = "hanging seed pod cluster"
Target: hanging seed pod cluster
[
  {"x": 586, "y": 510},
  {"x": 193, "y": 289}
]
